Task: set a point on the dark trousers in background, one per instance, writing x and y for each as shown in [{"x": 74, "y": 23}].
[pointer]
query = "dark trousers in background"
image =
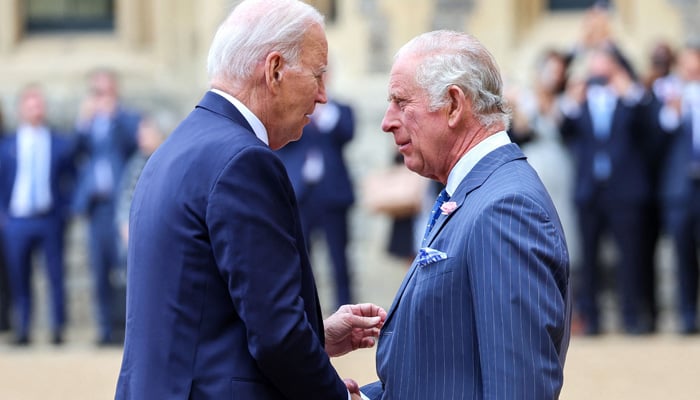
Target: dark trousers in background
[
  {"x": 628, "y": 228},
  {"x": 683, "y": 225},
  {"x": 4, "y": 289},
  {"x": 102, "y": 243},
  {"x": 23, "y": 236},
  {"x": 334, "y": 224}
]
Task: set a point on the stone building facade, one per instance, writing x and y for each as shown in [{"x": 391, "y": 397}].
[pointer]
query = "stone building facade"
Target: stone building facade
[{"x": 160, "y": 46}]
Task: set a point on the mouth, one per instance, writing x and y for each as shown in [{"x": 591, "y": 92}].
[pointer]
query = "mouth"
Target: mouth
[{"x": 402, "y": 146}]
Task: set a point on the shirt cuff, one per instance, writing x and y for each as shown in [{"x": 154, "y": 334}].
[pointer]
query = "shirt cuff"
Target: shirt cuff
[{"x": 361, "y": 394}]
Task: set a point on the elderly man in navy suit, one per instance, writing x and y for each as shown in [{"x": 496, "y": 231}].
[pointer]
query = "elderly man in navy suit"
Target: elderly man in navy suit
[
  {"x": 36, "y": 175},
  {"x": 221, "y": 299},
  {"x": 484, "y": 311}
]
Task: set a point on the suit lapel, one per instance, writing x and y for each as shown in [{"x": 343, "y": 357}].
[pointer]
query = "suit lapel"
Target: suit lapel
[{"x": 474, "y": 179}]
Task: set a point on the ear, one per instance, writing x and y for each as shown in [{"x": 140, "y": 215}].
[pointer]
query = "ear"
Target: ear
[
  {"x": 457, "y": 106},
  {"x": 274, "y": 63}
]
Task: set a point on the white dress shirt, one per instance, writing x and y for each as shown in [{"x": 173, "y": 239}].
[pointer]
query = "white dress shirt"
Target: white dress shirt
[
  {"x": 31, "y": 193},
  {"x": 472, "y": 157},
  {"x": 252, "y": 119}
]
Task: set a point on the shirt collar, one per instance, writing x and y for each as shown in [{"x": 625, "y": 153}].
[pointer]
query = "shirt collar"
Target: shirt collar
[
  {"x": 253, "y": 120},
  {"x": 472, "y": 157}
]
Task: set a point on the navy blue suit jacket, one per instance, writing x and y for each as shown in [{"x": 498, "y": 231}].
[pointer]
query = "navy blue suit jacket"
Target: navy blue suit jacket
[
  {"x": 676, "y": 184},
  {"x": 61, "y": 178},
  {"x": 335, "y": 188},
  {"x": 221, "y": 300},
  {"x": 630, "y": 176},
  {"x": 491, "y": 320}
]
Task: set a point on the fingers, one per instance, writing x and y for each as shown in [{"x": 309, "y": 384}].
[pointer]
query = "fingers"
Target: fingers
[
  {"x": 357, "y": 321},
  {"x": 367, "y": 342},
  {"x": 352, "y": 386},
  {"x": 368, "y": 310}
]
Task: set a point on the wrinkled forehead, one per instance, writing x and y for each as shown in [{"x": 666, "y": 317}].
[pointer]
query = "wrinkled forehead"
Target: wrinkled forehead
[
  {"x": 403, "y": 73},
  {"x": 315, "y": 46}
]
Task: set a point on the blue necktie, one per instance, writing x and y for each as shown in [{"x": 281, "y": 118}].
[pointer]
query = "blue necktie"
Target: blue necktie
[
  {"x": 33, "y": 184},
  {"x": 442, "y": 197}
]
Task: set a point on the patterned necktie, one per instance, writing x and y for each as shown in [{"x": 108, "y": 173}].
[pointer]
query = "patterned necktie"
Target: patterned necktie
[{"x": 442, "y": 197}]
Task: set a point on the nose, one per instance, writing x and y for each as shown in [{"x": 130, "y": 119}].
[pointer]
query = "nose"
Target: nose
[
  {"x": 321, "y": 94},
  {"x": 390, "y": 122}
]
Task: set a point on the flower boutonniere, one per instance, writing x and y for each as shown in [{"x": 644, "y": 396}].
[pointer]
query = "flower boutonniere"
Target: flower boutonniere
[{"x": 447, "y": 207}]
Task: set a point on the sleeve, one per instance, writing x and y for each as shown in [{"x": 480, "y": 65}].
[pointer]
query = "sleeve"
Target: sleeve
[
  {"x": 519, "y": 278},
  {"x": 253, "y": 225},
  {"x": 373, "y": 390}
]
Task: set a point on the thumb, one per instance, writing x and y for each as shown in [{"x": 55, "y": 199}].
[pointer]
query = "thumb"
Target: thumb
[{"x": 364, "y": 322}]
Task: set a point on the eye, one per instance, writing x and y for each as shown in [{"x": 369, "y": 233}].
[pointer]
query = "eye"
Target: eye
[
  {"x": 320, "y": 75},
  {"x": 401, "y": 103}
]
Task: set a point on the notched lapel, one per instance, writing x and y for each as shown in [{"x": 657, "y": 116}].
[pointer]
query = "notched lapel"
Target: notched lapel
[{"x": 475, "y": 178}]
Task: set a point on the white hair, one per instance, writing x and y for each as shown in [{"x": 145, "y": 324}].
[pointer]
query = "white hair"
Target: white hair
[
  {"x": 254, "y": 29},
  {"x": 454, "y": 58}
]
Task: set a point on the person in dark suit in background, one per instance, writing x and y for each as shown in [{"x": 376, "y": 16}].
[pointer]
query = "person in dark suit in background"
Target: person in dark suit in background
[
  {"x": 612, "y": 188},
  {"x": 221, "y": 298},
  {"x": 106, "y": 133},
  {"x": 484, "y": 311},
  {"x": 4, "y": 284},
  {"x": 322, "y": 185},
  {"x": 679, "y": 120},
  {"x": 36, "y": 174}
]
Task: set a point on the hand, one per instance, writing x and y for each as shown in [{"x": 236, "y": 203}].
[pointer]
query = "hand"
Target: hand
[
  {"x": 352, "y": 327},
  {"x": 352, "y": 386},
  {"x": 675, "y": 103},
  {"x": 88, "y": 108},
  {"x": 622, "y": 82},
  {"x": 353, "y": 389},
  {"x": 576, "y": 91}
]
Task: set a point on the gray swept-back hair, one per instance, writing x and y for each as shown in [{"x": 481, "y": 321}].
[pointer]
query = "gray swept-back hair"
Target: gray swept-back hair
[
  {"x": 253, "y": 30},
  {"x": 449, "y": 58}
]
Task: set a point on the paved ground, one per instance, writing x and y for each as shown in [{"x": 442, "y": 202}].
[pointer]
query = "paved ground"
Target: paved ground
[
  {"x": 663, "y": 367},
  {"x": 613, "y": 367}
]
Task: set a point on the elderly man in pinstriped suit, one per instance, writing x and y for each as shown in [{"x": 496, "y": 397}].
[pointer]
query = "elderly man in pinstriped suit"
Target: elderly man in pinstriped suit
[{"x": 484, "y": 311}]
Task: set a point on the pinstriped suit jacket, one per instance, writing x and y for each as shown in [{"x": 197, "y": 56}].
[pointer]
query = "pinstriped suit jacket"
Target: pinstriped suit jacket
[{"x": 491, "y": 321}]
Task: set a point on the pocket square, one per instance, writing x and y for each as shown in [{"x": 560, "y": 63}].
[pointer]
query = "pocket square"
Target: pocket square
[{"x": 426, "y": 256}]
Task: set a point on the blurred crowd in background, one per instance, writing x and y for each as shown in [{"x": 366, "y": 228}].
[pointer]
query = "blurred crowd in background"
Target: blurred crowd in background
[
  {"x": 616, "y": 144},
  {"x": 48, "y": 177}
]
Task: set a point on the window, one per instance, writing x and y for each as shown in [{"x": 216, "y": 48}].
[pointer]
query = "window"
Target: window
[
  {"x": 68, "y": 15},
  {"x": 562, "y": 5}
]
